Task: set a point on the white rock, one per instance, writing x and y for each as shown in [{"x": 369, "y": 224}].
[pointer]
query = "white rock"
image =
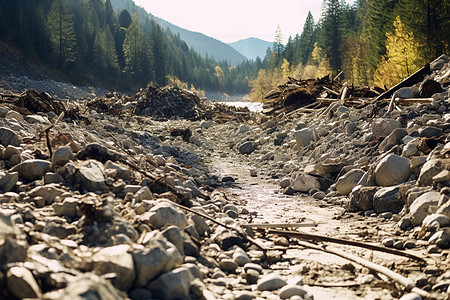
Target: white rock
[
  {"x": 289, "y": 291},
  {"x": 116, "y": 259},
  {"x": 419, "y": 208},
  {"x": 302, "y": 182},
  {"x": 305, "y": 136},
  {"x": 384, "y": 127},
  {"x": 240, "y": 257},
  {"x": 348, "y": 181},
  {"x": 441, "y": 219},
  {"x": 32, "y": 169},
  {"x": 163, "y": 214}
]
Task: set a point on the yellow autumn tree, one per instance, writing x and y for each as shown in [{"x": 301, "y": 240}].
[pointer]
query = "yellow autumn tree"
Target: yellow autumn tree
[
  {"x": 261, "y": 85},
  {"x": 403, "y": 56},
  {"x": 320, "y": 65}
]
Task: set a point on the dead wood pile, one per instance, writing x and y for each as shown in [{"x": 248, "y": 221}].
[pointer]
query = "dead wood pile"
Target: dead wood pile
[
  {"x": 165, "y": 103},
  {"x": 311, "y": 92}
]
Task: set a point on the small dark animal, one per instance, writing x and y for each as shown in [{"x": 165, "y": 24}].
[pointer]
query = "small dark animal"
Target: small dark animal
[{"x": 184, "y": 133}]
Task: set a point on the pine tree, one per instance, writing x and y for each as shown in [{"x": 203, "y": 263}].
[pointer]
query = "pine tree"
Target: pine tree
[
  {"x": 62, "y": 35},
  {"x": 105, "y": 50},
  {"x": 429, "y": 21},
  {"x": 330, "y": 33},
  {"x": 402, "y": 58},
  {"x": 306, "y": 41},
  {"x": 138, "y": 60},
  {"x": 278, "y": 42}
]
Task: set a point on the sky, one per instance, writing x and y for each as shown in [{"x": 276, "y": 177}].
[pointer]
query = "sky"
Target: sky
[{"x": 233, "y": 20}]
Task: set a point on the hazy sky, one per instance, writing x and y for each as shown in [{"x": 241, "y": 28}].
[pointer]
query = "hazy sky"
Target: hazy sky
[{"x": 232, "y": 20}]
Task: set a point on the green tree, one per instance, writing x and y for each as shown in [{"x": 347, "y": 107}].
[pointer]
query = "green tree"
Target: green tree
[
  {"x": 62, "y": 35},
  {"x": 105, "y": 50},
  {"x": 429, "y": 21},
  {"x": 307, "y": 40},
  {"x": 138, "y": 60},
  {"x": 278, "y": 41},
  {"x": 330, "y": 33}
]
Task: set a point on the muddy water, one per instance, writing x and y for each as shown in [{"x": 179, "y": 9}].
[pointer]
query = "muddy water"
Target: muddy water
[{"x": 266, "y": 205}]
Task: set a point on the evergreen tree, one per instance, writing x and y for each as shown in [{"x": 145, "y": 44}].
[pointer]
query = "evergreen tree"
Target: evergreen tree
[
  {"x": 278, "y": 42},
  {"x": 62, "y": 36},
  {"x": 306, "y": 41},
  {"x": 429, "y": 21},
  {"x": 105, "y": 50},
  {"x": 138, "y": 60},
  {"x": 330, "y": 33}
]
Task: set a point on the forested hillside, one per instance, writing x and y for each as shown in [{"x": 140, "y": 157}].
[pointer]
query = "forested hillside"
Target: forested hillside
[
  {"x": 87, "y": 42},
  {"x": 373, "y": 42}
]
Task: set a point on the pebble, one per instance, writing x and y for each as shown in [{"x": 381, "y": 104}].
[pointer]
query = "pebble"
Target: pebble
[{"x": 289, "y": 291}]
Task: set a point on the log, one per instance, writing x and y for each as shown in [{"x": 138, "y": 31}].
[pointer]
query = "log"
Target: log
[
  {"x": 409, "y": 81},
  {"x": 321, "y": 238},
  {"x": 406, "y": 282},
  {"x": 283, "y": 225}
]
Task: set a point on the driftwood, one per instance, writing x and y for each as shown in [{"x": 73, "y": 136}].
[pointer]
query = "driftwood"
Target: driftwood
[
  {"x": 284, "y": 225},
  {"x": 406, "y": 282},
  {"x": 319, "y": 238},
  {"x": 409, "y": 81}
]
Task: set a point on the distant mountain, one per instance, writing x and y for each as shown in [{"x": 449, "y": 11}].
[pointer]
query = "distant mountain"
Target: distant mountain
[
  {"x": 204, "y": 45},
  {"x": 252, "y": 47}
]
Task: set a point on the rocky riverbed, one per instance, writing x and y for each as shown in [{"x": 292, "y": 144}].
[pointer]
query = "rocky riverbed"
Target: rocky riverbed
[{"x": 94, "y": 203}]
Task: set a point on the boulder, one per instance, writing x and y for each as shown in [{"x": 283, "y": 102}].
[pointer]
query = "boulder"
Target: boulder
[
  {"x": 8, "y": 181},
  {"x": 151, "y": 261},
  {"x": 247, "y": 148},
  {"x": 388, "y": 199},
  {"x": 407, "y": 92},
  {"x": 32, "y": 169},
  {"x": 383, "y": 127},
  {"x": 9, "y": 137},
  {"x": 289, "y": 291},
  {"x": 14, "y": 115},
  {"x": 61, "y": 156},
  {"x": 121, "y": 171},
  {"x": 22, "y": 283},
  {"x": 302, "y": 182},
  {"x": 430, "y": 169},
  {"x": 67, "y": 208},
  {"x": 392, "y": 169},
  {"x": 305, "y": 136},
  {"x": 240, "y": 257},
  {"x": 172, "y": 285},
  {"x": 271, "y": 282},
  {"x": 394, "y": 138},
  {"x": 163, "y": 214},
  {"x": 419, "y": 208},
  {"x": 48, "y": 192},
  {"x": 430, "y": 132},
  {"x": 90, "y": 176},
  {"x": 361, "y": 198},
  {"x": 347, "y": 182},
  {"x": 118, "y": 260}
]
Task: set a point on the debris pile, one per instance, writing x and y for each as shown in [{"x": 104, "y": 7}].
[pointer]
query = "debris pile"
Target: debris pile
[{"x": 168, "y": 103}]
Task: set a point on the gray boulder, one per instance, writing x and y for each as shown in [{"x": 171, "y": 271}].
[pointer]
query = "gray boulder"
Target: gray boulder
[
  {"x": 61, "y": 156},
  {"x": 388, "y": 199},
  {"x": 361, "y": 198},
  {"x": 9, "y": 137},
  {"x": 32, "y": 169},
  {"x": 172, "y": 285},
  {"x": 22, "y": 283},
  {"x": 305, "y": 136},
  {"x": 271, "y": 282},
  {"x": 118, "y": 260},
  {"x": 383, "y": 127},
  {"x": 392, "y": 139},
  {"x": 163, "y": 214},
  {"x": 151, "y": 261},
  {"x": 392, "y": 169},
  {"x": 407, "y": 92},
  {"x": 347, "y": 182},
  {"x": 90, "y": 176},
  {"x": 430, "y": 169},
  {"x": 247, "y": 148}
]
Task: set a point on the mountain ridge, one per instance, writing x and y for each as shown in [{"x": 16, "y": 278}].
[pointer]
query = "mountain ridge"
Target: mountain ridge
[
  {"x": 206, "y": 46},
  {"x": 252, "y": 47}
]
